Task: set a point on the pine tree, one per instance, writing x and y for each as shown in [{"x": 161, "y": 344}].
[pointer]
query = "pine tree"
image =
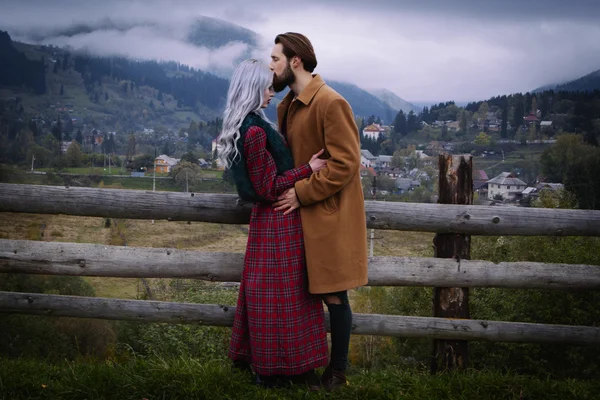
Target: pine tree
[
  {"x": 79, "y": 136},
  {"x": 57, "y": 130},
  {"x": 400, "y": 123},
  {"x": 411, "y": 122},
  {"x": 504, "y": 129}
]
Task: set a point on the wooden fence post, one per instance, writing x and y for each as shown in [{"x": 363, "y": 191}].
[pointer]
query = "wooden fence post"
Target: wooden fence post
[{"x": 455, "y": 187}]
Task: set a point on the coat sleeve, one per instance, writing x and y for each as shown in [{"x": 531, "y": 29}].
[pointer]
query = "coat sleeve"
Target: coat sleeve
[
  {"x": 342, "y": 142},
  {"x": 262, "y": 169}
]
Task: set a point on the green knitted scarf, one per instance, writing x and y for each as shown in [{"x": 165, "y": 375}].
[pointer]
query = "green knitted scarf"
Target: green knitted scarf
[{"x": 275, "y": 145}]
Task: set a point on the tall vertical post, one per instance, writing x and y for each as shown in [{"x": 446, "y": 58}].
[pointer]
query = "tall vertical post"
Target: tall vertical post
[
  {"x": 154, "y": 174},
  {"x": 455, "y": 187}
]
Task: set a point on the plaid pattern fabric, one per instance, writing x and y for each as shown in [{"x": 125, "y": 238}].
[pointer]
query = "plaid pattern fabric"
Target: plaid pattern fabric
[{"x": 279, "y": 326}]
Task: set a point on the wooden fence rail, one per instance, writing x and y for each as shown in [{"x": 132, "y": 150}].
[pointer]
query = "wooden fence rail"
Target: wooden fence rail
[
  {"x": 56, "y": 258},
  {"x": 363, "y": 324},
  {"x": 224, "y": 208},
  {"x": 99, "y": 260}
]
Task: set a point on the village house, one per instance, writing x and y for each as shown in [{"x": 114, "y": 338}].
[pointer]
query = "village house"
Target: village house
[
  {"x": 423, "y": 159},
  {"x": 480, "y": 185},
  {"x": 404, "y": 185},
  {"x": 531, "y": 119},
  {"x": 373, "y": 131},
  {"x": 64, "y": 146},
  {"x": 392, "y": 172},
  {"x": 383, "y": 161},
  {"x": 534, "y": 192},
  {"x": 480, "y": 179},
  {"x": 546, "y": 126},
  {"x": 367, "y": 172},
  {"x": 418, "y": 175},
  {"x": 366, "y": 158},
  {"x": 453, "y": 126},
  {"x": 164, "y": 163},
  {"x": 506, "y": 185},
  {"x": 435, "y": 148}
]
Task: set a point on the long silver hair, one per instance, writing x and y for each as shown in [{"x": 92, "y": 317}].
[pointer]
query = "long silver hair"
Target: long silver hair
[{"x": 246, "y": 94}]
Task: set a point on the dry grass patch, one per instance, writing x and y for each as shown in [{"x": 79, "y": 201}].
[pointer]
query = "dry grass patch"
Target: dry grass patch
[
  {"x": 19, "y": 226},
  {"x": 120, "y": 288},
  {"x": 187, "y": 236},
  {"x": 140, "y": 233},
  {"x": 402, "y": 243}
]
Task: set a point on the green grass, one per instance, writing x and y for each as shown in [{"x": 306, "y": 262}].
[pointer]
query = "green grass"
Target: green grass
[{"x": 184, "y": 378}]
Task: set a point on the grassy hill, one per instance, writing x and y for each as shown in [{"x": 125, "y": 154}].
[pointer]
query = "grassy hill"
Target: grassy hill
[{"x": 111, "y": 102}]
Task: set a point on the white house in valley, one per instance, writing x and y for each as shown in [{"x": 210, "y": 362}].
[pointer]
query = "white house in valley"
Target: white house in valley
[
  {"x": 506, "y": 185},
  {"x": 373, "y": 131},
  {"x": 366, "y": 158}
]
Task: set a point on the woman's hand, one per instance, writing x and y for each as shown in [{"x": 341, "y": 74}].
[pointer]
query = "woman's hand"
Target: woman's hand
[{"x": 316, "y": 163}]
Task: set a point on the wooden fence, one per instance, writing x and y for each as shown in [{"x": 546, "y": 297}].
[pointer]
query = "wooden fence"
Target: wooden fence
[{"x": 34, "y": 257}]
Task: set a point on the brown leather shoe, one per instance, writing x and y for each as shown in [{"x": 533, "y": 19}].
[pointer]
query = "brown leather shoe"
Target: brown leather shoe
[{"x": 333, "y": 379}]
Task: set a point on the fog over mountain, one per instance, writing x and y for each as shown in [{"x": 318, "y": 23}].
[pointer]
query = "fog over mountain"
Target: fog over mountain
[{"x": 421, "y": 51}]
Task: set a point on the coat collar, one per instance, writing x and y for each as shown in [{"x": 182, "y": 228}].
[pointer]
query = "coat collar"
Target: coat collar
[
  {"x": 311, "y": 89},
  {"x": 306, "y": 95}
]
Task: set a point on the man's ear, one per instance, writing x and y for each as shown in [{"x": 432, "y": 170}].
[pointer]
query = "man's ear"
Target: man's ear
[{"x": 296, "y": 61}]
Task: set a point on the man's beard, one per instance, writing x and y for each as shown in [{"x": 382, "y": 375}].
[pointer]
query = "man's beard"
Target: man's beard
[{"x": 284, "y": 80}]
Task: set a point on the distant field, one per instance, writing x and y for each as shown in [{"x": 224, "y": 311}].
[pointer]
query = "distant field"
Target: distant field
[
  {"x": 85, "y": 177},
  {"x": 118, "y": 171},
  {"x": 179, "y": 235},
  {"x": 95, "y": 171},
  {"x": 524, "y": 160}
]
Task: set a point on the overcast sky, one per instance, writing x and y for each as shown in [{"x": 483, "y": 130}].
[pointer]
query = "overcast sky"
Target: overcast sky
[{"x": 436, "y": 50}]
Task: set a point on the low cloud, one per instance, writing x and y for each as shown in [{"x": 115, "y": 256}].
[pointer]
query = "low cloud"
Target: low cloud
[
  {"x": 422, "y": 50},
  {"x": 149, "y": 43}
]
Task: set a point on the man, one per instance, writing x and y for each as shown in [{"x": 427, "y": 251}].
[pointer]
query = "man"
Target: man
[{"x": 312, "y": 116}]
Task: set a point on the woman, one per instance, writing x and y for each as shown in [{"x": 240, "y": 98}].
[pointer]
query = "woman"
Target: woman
[{"x": 279, "y": 327}]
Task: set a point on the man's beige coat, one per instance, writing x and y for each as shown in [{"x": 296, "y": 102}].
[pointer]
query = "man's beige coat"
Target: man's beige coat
[{"x": 333, "y": 211}]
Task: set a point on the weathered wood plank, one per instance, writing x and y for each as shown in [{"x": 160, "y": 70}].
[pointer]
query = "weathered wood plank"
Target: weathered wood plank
[
  {"x": 364, "y": 324},
  {"x": 455, "y": 187},
  {"x": 82, "y": 259},
  {"x": 223, "y": 208}
]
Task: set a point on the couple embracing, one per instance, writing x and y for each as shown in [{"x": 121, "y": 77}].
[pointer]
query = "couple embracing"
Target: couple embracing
[{"x": 307, "y": 232}]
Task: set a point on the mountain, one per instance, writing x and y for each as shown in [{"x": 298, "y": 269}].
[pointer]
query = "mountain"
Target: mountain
[
  {"x": 109, "y": 93},
  {"x": 587, "y": 83},
  {"x": 396, "y": 102},
  {"x": 18, "y": 70},
  {"x": 203, "y": 32},
  {"x": 363, "y": 103},
  {"x": 195, "y": 89},
  {"x": 214, "y": 33},
  {"x": 39, "y": 35}
]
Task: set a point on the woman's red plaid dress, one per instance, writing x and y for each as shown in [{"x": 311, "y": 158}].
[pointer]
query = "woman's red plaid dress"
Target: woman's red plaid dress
[{"x": 279, "y": 326}]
